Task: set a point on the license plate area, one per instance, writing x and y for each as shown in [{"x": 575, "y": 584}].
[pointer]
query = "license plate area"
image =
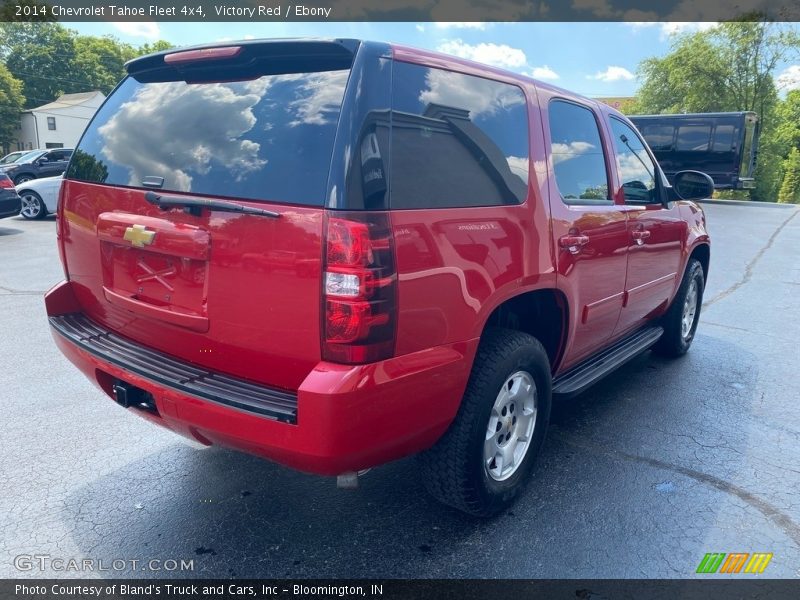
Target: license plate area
[{"x": 163, "y": 280}]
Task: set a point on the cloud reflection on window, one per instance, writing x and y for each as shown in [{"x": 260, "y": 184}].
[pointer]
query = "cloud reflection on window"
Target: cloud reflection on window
[{"x": 182, "y": 131}]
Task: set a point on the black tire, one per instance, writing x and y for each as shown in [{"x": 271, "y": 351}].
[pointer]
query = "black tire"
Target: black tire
[
  {"x": 20, "y": 179},
  {"x": 34, "y": 197},
  {"x": 454, "y": 470},
  {"x": 675, "y": 342}
]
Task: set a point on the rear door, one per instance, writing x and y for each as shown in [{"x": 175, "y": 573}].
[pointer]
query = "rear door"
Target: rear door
[
  {"x": 655, "y": 231},
  {"x": 589, "y": 230},
  {"x": 236, "y": 293}
]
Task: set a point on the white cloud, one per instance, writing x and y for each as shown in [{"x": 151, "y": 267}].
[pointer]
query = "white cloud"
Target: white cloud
[
  {"x": 420, "y": 27},
  {"x": 563, "y": 152},
  {"x": 480, "y": 96},
  {"x": 789, "y": 78},
  {"x": 544, "y": 72},
  {"x": 468, "y": 25},
  {"x": 670, "y": 28},
  {"x": 613, "y": 73},
  {"x": 249, "y": 37},
  {"x": 499, "y": 55},
  {"x": 145, "y": 29}
]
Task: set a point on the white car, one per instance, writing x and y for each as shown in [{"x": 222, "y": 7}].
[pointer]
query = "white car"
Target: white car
[{"x": 39, "y": 196}]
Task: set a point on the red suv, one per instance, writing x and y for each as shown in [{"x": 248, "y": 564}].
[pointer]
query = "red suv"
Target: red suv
[{"x": 334, "y": 254}]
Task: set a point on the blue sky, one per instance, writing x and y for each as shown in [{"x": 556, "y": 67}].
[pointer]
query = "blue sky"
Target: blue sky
[{"x": 593, "y": 59}]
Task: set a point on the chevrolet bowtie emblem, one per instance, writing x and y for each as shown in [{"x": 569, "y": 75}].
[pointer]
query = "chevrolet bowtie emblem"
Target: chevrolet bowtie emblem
[{"x": 138, "y": 236}]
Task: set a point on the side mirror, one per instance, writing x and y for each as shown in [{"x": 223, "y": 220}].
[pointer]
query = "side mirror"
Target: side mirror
[
  {"x": 692, "y": 185},
  {"x": 42, "y": 160}
]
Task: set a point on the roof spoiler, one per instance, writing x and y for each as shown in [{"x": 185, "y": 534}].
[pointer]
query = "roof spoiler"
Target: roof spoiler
[{"x": 334, "y": 53}]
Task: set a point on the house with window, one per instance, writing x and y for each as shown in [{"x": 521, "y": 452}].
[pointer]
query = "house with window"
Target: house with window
[{"x": 58, "y": 124}]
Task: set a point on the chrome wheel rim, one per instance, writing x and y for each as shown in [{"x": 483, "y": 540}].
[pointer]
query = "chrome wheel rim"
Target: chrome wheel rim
[
  {"x": 31, "y": 207},
  {"x": 510, "y": 428},
  {"x": 689, "y": 310},
  {"x": 24, "y": 179}
]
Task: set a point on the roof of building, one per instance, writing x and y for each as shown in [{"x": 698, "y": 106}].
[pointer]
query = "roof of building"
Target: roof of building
[{"x": 68, "y": 100}]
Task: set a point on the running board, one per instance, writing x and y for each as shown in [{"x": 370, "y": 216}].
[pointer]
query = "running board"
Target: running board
[{"x": 578, "y": 378}]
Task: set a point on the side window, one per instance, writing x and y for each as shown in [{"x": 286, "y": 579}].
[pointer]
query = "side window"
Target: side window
[
  {"x": 693, "y": 138},
  {"x": 636, "y": 169},
  {"x": 723, "y": 138},
  {"x": 457, "y": 140},
  {"x": 659, "y": 137},
  {"x": 577, "y": 151}
]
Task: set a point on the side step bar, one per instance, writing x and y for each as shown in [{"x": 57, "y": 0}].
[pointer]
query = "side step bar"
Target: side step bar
[{"x": 580, "y": 377}]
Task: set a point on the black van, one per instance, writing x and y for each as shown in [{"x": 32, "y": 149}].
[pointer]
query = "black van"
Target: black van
[{"x": 724, "y": 145}]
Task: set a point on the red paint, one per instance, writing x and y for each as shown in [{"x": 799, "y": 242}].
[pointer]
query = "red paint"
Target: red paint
[{"x": 243, "y": 295}]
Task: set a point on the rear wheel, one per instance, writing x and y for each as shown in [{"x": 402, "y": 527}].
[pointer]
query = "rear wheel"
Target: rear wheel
[
  {"x": 32, "y": 205},
  {"x": 680, "y": 322},
  {"x": 483, "y": 461}
]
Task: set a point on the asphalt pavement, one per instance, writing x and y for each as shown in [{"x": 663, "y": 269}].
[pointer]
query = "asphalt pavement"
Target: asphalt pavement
[{"x": 642, "y": 475}]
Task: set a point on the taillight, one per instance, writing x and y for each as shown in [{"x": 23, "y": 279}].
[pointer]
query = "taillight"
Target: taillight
[
  {"x": 359, "y": 288},
  {"x": 6, "y": 183}
]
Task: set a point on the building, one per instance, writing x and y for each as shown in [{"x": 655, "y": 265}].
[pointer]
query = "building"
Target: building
[
  {"x": 621, "y": 103},
  {"x": 58, "y": 124}
]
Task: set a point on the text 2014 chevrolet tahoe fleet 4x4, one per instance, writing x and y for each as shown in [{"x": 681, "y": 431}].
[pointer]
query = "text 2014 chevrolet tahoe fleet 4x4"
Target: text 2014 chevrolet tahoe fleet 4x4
[{"x": 337, "y": 253}]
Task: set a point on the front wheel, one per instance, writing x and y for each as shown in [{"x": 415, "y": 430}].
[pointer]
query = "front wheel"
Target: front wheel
[
  {"x": 23, "y": 179},
  {"x": 32, "y": 205},
  {"x": 483, "y": 461},
  {"x": 680, "y": 322}
]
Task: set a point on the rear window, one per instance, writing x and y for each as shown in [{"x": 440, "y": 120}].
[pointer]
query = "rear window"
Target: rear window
[
  {"x": 457, "y": 140},
  {"x": 269, "y": 138}
]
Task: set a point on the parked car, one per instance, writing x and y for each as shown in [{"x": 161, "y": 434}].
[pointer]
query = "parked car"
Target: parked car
[
  {"x": 13, "y": 156},
  {"x": 39, "y": 196},
  {"x": 9, "y": 200},
  {"x": 36, "y": 164},
  {"x": 723, "y": 145},
  {"x": 473, "y": 243}
]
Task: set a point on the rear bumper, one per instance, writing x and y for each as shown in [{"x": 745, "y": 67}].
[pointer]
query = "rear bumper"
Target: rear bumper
[{"x": 342, "y": 418}]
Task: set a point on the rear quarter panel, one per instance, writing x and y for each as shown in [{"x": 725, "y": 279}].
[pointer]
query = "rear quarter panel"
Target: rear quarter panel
[{"x": 456, "y": 265}]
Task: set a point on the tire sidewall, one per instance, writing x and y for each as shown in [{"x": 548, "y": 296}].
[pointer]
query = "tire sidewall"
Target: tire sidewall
[
  {"x": 695, "y": 272},
  {"x": 39, "y": 200},
  {"x": 528, "y": 358}
]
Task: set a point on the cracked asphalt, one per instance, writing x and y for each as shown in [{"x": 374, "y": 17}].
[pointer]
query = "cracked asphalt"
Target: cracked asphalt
[{"x": 640, "y": 476}]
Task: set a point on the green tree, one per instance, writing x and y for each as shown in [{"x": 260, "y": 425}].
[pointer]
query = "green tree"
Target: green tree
[
  {"x": 100, "y": 62},
  {"x": 42, "y": 56},
  {"x": 11, "y": 103},
  {"x": 790, "y": 188}
]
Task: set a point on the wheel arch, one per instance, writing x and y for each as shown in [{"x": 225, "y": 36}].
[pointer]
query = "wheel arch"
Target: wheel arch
[
  {"x": 702, "y": 252},
  {"x": 542, "y": 313}
]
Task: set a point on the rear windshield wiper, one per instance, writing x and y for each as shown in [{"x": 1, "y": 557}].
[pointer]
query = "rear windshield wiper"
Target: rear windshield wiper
[{"x": 195, "y": 205}]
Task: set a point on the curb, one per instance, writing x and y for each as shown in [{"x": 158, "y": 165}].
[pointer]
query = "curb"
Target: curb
[{"x": 748, "y": 203}]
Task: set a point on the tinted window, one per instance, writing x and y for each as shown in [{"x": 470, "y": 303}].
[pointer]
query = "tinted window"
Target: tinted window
[
  {"x": 457, "y": 140},
  {"x": 724, "y": 138},
  {"x": 577, "y": 150},
  {"x": 268, "y": 138},
  {"x": 693, "y": 138},
  {"x": 659, "y": 137},
  {"x": 634, "y": 165}
]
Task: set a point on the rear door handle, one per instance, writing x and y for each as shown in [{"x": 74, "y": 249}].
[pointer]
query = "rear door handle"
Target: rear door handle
[
  {"x": 640, "y": 235},
  {"x": 573, "y": 243}
]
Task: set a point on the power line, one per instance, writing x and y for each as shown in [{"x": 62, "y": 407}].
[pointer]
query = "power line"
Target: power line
[{"x": 51, "y": 78}]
